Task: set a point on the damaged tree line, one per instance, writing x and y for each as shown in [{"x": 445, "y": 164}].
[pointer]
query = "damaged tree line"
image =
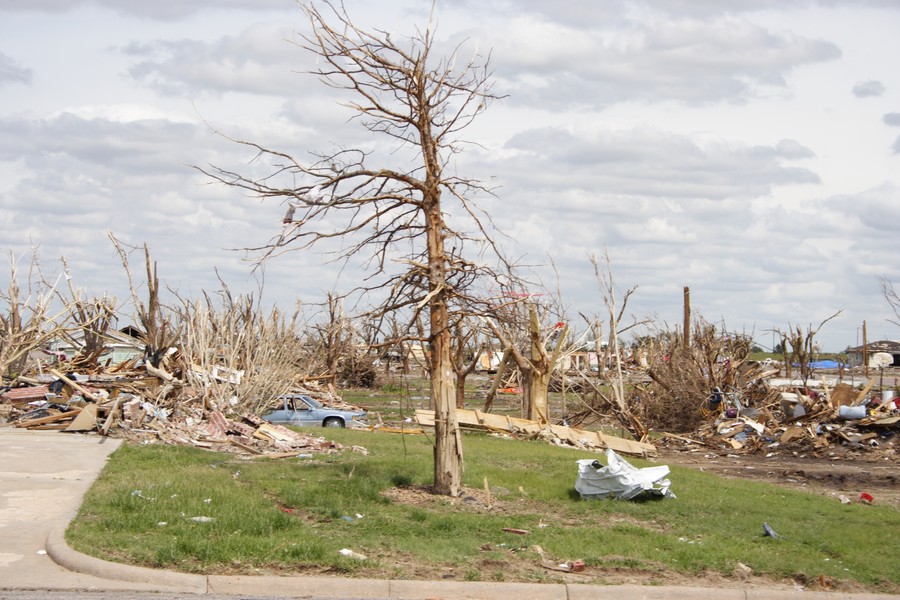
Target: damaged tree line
[{"x": 204, "y": 371}]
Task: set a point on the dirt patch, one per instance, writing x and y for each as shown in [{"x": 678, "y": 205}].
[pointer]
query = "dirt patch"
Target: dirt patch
[{"x": 846, "y": 476}]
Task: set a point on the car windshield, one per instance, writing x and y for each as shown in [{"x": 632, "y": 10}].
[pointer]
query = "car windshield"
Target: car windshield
[{"x": 312, "y": 402}]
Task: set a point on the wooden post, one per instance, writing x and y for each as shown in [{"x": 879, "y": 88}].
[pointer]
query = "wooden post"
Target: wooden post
[
  {"x": 687, "y": 317},
  {"x": 865, "y": 352}
]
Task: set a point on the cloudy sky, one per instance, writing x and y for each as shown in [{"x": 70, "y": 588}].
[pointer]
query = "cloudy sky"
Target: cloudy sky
[{"x": 749, "y": 149}]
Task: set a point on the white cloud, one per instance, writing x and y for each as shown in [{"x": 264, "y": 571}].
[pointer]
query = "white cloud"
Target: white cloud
[
  {"x": 11, "y": 72},
  {"x": 864, "y": 89},
  {"x": 727, "y": 58},
  {"x": 703, "y": 143}
]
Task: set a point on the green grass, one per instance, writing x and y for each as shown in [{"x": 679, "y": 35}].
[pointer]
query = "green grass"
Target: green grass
[{"x": 293, "y": 515}]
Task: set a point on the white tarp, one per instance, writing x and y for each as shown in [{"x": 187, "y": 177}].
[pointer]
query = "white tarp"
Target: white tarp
[{"x": 620, "y": 479}]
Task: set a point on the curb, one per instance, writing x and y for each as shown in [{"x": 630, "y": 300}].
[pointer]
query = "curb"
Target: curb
[
  {"x": 165, "y": 581},
  {"x": 394, "y": 589}
]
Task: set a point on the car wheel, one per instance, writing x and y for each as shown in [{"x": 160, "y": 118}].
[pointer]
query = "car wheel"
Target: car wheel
[{"x": 333, "y": 422}]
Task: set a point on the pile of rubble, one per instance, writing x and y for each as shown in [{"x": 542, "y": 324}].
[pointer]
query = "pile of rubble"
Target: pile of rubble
[
  {"x": 815, "y": 419},
  {"x": 137, "y": 406}
]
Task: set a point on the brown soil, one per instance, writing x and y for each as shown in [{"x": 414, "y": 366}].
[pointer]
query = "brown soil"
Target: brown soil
[{"x": 849, "y": 476}]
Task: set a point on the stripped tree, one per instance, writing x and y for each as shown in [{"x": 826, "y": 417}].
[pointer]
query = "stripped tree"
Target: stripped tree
[
  {"x": 390, "y": 215},
  {"x": 537, "y": 353}
]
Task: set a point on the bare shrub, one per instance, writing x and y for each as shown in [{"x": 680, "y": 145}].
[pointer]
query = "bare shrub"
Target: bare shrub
[
  {"x": 239, "y": 356},
  {"x": 683, "y": 378},
  {"x": 27, "y": 320}
]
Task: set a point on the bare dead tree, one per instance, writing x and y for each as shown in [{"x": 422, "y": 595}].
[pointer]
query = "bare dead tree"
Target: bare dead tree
[
  {"x": 160, "y": 329},
  {"x": 91, "y": 317},
  {"x": 537, "y": 354},
  {"x": 332, "y": 337},
  {"x": 401, "y": 91},
  {"x": 238, "y": 356},
  {"x": 610, "y": 357},
  {"x": 466, "y": 352},
  {"x": 803, "y": 347},
  {"x": 27, "y": 318},
  {"x": 502, "y": 366},
  {"x": 892, "y": 298}
]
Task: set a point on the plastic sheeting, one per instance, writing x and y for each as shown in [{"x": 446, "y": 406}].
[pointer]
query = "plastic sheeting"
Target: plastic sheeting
[{"x": 620, "y": 479}]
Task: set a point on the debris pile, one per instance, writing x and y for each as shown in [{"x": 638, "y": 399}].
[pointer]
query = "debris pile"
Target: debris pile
[
  {"x": 128, "y": 401},
  {"x": 814, "y": 420}
]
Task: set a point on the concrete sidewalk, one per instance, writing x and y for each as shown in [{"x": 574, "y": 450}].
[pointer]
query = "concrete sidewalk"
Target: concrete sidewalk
[{"x": 43, "y": 479}]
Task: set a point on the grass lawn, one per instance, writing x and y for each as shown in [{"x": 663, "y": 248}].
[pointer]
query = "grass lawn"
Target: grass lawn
[{"x": 191, "y": 510}]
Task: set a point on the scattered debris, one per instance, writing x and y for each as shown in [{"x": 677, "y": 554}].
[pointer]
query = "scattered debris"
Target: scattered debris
[
  {"x": 351, "y": 554},
  {"x": 816, "y": 419},
  {"x": 769, "y": 532},
  {"x": 619, "y": 479},
  {"x": 571, "y": 566}
]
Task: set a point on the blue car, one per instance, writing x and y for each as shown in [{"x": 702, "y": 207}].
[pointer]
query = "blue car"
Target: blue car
[{"x": 302, "y": 411}]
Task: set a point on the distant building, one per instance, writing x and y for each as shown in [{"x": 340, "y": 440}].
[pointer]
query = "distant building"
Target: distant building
[
  {"x": 855, "y": 355},
  {"x": 120, "y": 346}
]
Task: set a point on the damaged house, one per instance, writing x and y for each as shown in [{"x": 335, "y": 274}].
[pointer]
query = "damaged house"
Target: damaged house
[{"x": 892, "y": 348}]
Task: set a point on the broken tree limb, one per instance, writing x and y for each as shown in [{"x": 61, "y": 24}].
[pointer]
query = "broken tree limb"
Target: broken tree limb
[{"x": 159, "y": 372}]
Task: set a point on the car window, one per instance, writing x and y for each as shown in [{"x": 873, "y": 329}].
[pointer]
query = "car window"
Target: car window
[{"x": 312, "y": 402}]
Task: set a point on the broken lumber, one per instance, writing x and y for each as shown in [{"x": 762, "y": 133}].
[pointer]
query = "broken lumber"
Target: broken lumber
[
  {"x": 86, "y": 420},
  {"x": 75, "y": 386},
  {"x": 578, "y": 437},
  {"x": 48, "y": 419}
]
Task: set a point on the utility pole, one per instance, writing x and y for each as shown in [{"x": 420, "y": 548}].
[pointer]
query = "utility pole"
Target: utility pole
[
  {"x": 865, "y": 352},
  {"x": 687, "y": 317}
]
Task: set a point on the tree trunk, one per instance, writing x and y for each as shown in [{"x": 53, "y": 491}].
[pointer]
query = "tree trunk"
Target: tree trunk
[
  {"x": 498, "y": 378},
  {"x": 447, "y": 439},
  {"x": 461, "y": 390},
  {"x": 539, "y": 374},
  {"x": 540, "y": 396}
]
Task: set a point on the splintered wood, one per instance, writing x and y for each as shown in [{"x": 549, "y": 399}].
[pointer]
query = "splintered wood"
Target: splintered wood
[{"x": 557, "y": 434}]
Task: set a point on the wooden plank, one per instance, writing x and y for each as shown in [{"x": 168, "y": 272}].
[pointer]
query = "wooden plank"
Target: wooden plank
[
  {"x": 249, "y": 449},
  {"x": 626, "y": 446},
  {"x": 477, "y": 419},
  {"x": 49, "y": 419},
  {"x": 86, "y": 419},
  {"x": 862, "y": 395},
  {"x": 270, "y": 431},
  {"x": 293, "y": 454},
  {"x": 792, "y": 433},
  {"x": 112, "y": 415},
  {"x": 75, "y": 386},
  {"x": 685, "y": 439},
  {"x": 843, "y": 394}
]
